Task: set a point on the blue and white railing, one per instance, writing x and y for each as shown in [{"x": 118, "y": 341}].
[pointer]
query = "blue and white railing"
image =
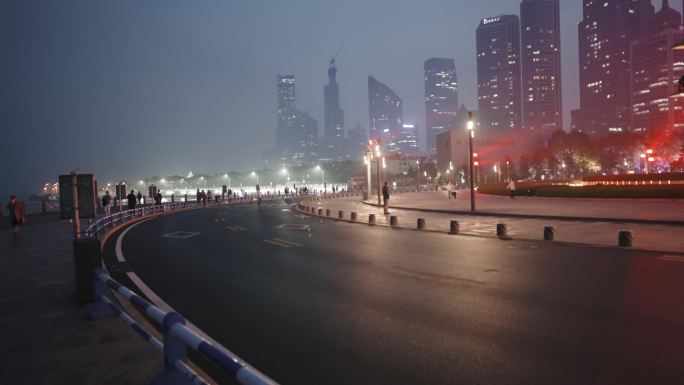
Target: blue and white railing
[
  {"x": 104, "y": 223},
  {"x": 177, "y": 338}
]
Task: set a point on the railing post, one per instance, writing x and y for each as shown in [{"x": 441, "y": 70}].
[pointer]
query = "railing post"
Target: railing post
[
  {"x": 174, "y": 350},
  {"x": 87, "y": 257},
  {"x": 98, "y": 309}
]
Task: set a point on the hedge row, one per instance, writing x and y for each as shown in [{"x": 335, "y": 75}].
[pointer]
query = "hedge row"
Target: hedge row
[{"x": 603, "y": 191}]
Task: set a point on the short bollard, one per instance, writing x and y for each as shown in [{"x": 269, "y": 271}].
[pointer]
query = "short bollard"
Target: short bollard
[
  {"x": 327, "y": 212},
  {"x": 420, "y": 223},
  {"x": 454, "y": 227},
  {"x": 371, "y": 219},
  {"x": 549, "y": 233},
  {"x": 625, "y": 238},
  {"x": 340, "y": 214},
  {"x": 394, "y": 220},
  {"x": 354, "y": 216},
  {"x": 320, "y": 212},
  {"x": 501, "y": 230}
]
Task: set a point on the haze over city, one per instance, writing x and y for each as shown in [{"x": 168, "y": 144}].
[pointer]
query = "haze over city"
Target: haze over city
[{"x": 99, "y": 85}]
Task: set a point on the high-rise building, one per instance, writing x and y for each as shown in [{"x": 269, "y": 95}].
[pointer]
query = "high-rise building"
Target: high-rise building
[
  {"x": 386, "y": 115},
  {"x": 334, "y": 116},
  {"x": 286, "y": 108},
  {"x": 441, "y": 98},
  {"x": 656, "y": 69},
  {"x": 498, "y": 73},
  {"x": 605, "y": 34},
  {"x": 305, "y": 145},
  {"x": 408, "y": 142},
  {"x": 541, "y": 65},
  {"x": 357, "y": 141},
  {"x": 297, "y": 131}
]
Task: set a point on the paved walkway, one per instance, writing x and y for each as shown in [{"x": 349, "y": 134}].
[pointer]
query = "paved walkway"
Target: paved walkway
[
  {"x": 636, "y": 209},
  {"x": 45, "y": 336},
  {"x": 663, "y": 238}
]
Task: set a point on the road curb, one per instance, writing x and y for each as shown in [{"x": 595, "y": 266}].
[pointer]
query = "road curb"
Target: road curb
[
  {"x": 534, "y": 240},
  {"x": 532, "y": 216}
]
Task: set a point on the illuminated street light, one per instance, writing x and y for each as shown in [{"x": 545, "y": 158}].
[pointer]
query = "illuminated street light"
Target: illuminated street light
[
  {"x": 319, "y": 168},
  {"x": 254, "y": 174},
  {"x": 471, "y": 134},
  {"x": 418, "y": 172},
  {"x": 508, "y": 171}
]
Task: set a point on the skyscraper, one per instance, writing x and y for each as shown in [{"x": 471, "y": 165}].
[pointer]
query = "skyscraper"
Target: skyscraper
[
  {"x": 408, "y": 142},
  {"x": 498, "y": 73},
  {"x": 286, "y": 108},
  {"x": 656, "y": 69},
  {"x": 386, "y": 115},
  {"x": 605, "y": 34},
  {"x": 334, "y": 116},
  {"x": 441, "y": 98},
  {"x": 541, "y": 65},
  {"x": 304, "y": 150},
  {"x": 297, "y": 131}
]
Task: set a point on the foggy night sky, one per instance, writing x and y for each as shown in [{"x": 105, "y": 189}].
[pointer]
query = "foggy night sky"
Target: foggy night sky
[{"x": 131, "y": 89}]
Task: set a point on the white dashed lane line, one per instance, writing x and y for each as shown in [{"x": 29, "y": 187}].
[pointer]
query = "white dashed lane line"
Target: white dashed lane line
[
  {"x": 671, "y": 258},
  {"x": 282, "y": 243}
]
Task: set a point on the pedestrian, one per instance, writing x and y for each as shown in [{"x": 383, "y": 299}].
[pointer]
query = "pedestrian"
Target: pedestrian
[
  {"x": 258, "y": 194},
  {"x": 158, "y": 198},
  {"x": 511, "y": 189},
  {"x": 385, "y": 198},
  {"x": 207, "y": 198},
  {"x": 107, "y": 203},
  {"x": 449, "y": 187},
  {"x": 131, "y": 200},
  {"x": 17, "y": 213},
  {"x": 203, "y": 198},
  {"x": 139, "y": 196}
]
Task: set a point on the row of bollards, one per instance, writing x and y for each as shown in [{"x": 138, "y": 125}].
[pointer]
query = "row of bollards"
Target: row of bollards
[{"x": 625, "y": 237}]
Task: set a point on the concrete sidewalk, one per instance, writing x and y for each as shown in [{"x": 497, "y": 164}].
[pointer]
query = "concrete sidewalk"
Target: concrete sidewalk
[
  {"x": 45, "y": 336},
  {"x": 664, "y": 238},
  {"x": 634, "y": 210}
]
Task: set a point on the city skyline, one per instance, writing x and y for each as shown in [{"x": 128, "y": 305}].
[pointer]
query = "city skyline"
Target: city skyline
[{"x": 189, "y": 67}]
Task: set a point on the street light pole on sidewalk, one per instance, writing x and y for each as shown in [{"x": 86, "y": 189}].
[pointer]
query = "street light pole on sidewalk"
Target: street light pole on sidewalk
[{"x": 471, "y": 134}]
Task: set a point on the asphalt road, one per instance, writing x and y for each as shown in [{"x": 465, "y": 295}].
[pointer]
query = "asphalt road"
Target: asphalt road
[{"x": 341, "y": 303}]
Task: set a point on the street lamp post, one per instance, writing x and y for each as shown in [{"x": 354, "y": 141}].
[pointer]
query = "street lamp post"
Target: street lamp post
[
  {"x": 377, "y": 170},
  {"x": 508, "y": 171},
  {"x": 418, "y": 174},
  {"x": 319, "y": 168},
  {"x": 367, "y": 161},
  {"x": 471, "y": 134}
]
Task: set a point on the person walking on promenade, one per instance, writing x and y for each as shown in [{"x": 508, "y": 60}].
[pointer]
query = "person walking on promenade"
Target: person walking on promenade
[
  {"x": 158, "y": 198},
  {"x": 107, "y": 203},
  {"x": 203, "y": 198},
  {"x": 139, "y": 196},
  {"x": 385, "y": 198},
  {"x": 511, "y": 189},
  {"x": 131, "y": 200},
  {"x": 17, "y": 213}
]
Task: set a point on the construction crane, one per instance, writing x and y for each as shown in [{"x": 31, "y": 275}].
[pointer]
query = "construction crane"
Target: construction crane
[{"x": 331, "y": 59}]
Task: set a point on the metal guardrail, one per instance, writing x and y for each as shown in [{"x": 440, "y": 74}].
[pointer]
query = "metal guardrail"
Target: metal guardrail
[
  {"x": 107, "y": 222},
  {"x": 177, "y": 338}
]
